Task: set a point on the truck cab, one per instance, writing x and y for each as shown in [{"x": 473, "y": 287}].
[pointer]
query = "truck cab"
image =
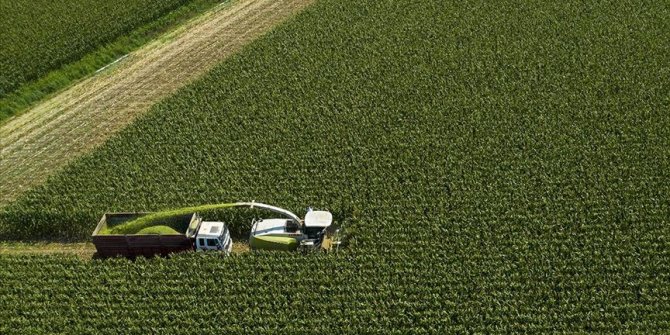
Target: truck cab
[{"x": 213, "y": 235}]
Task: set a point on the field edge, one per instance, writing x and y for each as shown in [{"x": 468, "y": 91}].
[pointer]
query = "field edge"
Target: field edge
[{"x": 56, "y": 81}]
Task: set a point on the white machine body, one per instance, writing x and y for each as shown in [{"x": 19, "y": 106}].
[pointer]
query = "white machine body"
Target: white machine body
[
  {"x": 321, "y": 219},
  {"x": 293, "y": 233}
]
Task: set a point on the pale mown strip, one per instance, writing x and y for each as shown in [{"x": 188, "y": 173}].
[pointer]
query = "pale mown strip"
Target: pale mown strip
[
  {"x": 85, "y": 250},
  {"x": 44, "y": 139}
]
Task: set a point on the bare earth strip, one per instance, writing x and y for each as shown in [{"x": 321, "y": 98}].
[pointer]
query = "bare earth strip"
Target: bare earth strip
[{"x": 44, "y": 139}]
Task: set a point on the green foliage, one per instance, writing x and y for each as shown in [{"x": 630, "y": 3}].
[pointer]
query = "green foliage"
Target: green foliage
[
  {"x": 160, "y": 229},
  {"x": 505, "y": 163},
  {"x": 41, "y": 52}
]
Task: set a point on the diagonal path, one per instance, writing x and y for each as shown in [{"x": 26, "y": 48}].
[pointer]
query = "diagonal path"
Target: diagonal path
[{"x": 44, "y": 139}]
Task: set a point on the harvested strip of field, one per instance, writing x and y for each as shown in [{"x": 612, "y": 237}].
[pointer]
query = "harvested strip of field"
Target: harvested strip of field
[
  {"x": 44, "y": 139},
  {"x": 85, "y": 250}
]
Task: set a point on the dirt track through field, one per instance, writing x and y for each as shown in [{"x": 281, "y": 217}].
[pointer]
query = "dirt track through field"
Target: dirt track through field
[{"x": 44, "y": 139}]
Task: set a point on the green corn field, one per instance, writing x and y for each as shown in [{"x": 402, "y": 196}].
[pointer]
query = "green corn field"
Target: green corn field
[{"x": 501, "y": 167}]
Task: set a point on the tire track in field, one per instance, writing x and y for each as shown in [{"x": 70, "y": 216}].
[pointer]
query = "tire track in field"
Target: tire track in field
[{"x": 44, "y": 139}]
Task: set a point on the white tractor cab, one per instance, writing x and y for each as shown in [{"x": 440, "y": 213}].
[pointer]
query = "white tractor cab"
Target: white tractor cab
[
  {"x": 315, "y": 232},
  {"x": 213, "y": 235}
]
